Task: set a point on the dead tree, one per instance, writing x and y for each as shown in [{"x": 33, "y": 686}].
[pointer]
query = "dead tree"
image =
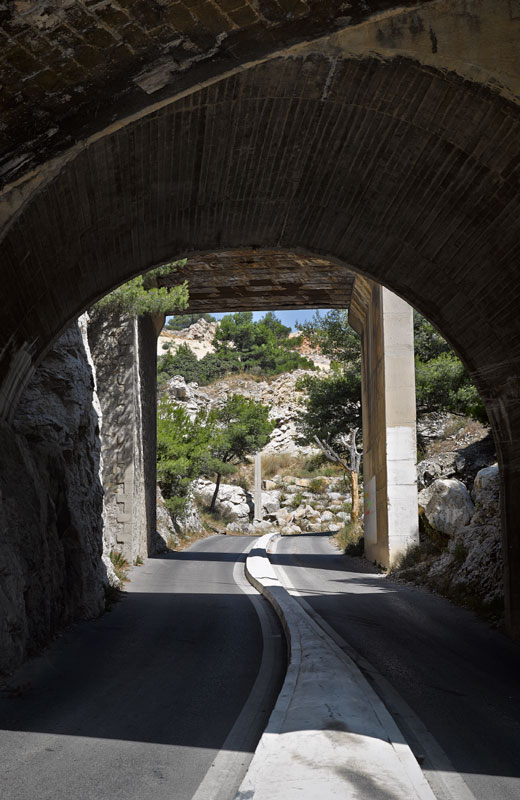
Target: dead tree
[{"x": 352, "y": 469}]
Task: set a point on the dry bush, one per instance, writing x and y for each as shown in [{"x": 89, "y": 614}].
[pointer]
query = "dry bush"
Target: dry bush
[{"x": 279, "y": 464}]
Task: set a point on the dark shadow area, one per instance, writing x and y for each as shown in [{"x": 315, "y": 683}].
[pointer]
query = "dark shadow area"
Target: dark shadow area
[
  {"x": 458, "y": 675},
  {"x": 337, "y": 561},
  {"x": 163, "y": 668}
]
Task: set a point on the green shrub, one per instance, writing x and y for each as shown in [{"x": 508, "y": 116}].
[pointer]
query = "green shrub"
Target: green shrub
[
  {"x": 351, "y": 540},
  {"x": 318, "y": 486},
  {"x": 296, "y": 500},
  {"x": 120, "y": 564}
]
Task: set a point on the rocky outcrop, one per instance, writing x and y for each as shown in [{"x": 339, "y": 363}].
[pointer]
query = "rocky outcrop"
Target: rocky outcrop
[
  {"x": 472, "y": 566},
  {"x": 449, "y": 505},
  {"x": 459, "y": 505},
  {"x": 233, "y": 503},
  {"x": 291, "y": 505},
  {"x": 280, "y": 394},
  {"x": 198, "y": 337},
  {"x": 51, "y": 503}
]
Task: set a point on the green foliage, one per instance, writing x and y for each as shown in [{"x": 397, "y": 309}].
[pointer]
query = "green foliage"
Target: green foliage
[
  {"x": 181, "y": 321},
  {"x": 442, "y": 384},
  {"x": 441, "y": 381},
  {"x": 211, "y": 444},
  {"x": 261, "y": 347},
  {"x": 242, "y": 345},
  {"x": 240, "y": 427},
  {"x": 296, "y": 500},
  {"x": 184, "y": 362},
  {"x": 333, "y": 405},
  {"x": 141, "y": 295},
  {"x": 334, "y": 336},
  {"x": 318, "y": 486},
  {"x": 428, "y": 343},
  {"x": 350, "y": 539},
  {"x": 120, "y": 564},
  {"x": 182, "y": 448}
]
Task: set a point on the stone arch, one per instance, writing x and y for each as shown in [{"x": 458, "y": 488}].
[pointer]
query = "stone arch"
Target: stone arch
[{"x": 408, "y": 174}]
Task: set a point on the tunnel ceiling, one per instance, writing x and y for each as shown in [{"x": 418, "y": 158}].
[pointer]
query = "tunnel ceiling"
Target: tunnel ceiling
[
  {"x": 406, "y": 174},
  {"x": 70, "y": 67},
  {"x": 262, "y": 280}
]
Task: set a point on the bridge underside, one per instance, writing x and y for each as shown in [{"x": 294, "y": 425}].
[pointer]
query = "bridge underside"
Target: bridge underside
[{"x": 262, "y": 280}]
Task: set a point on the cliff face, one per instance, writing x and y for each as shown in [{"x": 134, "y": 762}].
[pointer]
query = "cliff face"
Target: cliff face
[
  {"x": 279, "y": 394},
  {"x": 51, "y": 503}
]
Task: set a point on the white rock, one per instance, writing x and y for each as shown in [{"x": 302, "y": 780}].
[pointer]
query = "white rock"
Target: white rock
[
  {"x": 271, "y": 501},
  {"x": 450, "y": 506},
  {"x": 300, "y": 512},
  {"x": 291, "y": 529},
  {"x": 487, "y": 480}
]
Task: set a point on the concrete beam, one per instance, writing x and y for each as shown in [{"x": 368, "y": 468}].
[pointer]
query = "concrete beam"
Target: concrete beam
[{"x": 385, "y": 324}]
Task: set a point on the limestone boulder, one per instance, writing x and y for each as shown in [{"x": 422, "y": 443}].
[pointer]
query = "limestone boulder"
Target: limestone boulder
[
  {"x": 290, "y": 530},
  {"x": 263, "y": 527},
  {"x": 189, "y": 521},
  {"x": 232, "y": 501},
  {"x": 443, "y": 465},
  {"x": 450, "y": 506},
  {"x": 487, "y": 481},
  {"x": 165, "y": 533},
  {"x": 240, "y": 527},
  {"x": 299, "y": 513},
  {"x": 271, "y": 501},
  {"x": 283, "y": 517}
]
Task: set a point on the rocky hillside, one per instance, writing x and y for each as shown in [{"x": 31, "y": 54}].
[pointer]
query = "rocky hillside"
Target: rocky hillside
[
  {"x": 279, "y": 393},
  {"x": 460, "y": 555},
  {"x": 198, "y": 337},
  {"x": 290, "y": 505}
]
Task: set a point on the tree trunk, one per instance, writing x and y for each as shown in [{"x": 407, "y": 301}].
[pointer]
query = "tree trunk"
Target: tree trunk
[
  {"x": 355, "y": 497},
  {"x": 215, "y": 493}
]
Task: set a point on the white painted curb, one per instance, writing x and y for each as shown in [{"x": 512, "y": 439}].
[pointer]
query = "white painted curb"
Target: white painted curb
[{"x": 357, "y": 751}]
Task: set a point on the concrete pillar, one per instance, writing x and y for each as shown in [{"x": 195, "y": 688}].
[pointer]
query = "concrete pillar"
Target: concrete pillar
[
  {"x": 258, "y": 488},
  {"x": 385, "y": 324}
]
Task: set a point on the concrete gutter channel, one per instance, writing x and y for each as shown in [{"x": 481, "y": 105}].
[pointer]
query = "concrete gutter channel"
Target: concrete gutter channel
[{"x": 329, "y": 735}]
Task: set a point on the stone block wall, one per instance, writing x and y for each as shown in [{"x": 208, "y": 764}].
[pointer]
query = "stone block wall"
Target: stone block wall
[{"x": 124, "y": 353}]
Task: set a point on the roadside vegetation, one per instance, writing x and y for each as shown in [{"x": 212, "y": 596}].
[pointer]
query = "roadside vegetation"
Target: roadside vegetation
[
  {"x": 142, "y": 295},
  {"x": 332, "y": 410},
  {"x": 261, "y": 348},
  {"x": 211, "y": 445}
]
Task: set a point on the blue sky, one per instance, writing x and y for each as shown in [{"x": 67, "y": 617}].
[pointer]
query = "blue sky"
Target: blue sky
[{"x": 288, "y": 318}]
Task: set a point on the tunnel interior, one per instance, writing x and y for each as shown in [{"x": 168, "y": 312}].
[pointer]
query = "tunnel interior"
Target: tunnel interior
[{"x": 390, "y": 169}]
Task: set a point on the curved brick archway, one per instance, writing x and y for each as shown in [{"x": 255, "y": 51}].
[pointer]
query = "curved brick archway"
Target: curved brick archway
[{"x": 406, "y": 174}]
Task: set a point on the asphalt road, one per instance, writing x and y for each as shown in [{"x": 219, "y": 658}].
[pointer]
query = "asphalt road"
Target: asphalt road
[
  {"x": 139, "y": 703},
  {"x": 461, "y": 678}
]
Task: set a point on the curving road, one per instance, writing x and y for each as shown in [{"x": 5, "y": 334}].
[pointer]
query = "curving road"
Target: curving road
[
  {"x": 458, "y": 678},
  {"x": 164, "y": 698}
]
